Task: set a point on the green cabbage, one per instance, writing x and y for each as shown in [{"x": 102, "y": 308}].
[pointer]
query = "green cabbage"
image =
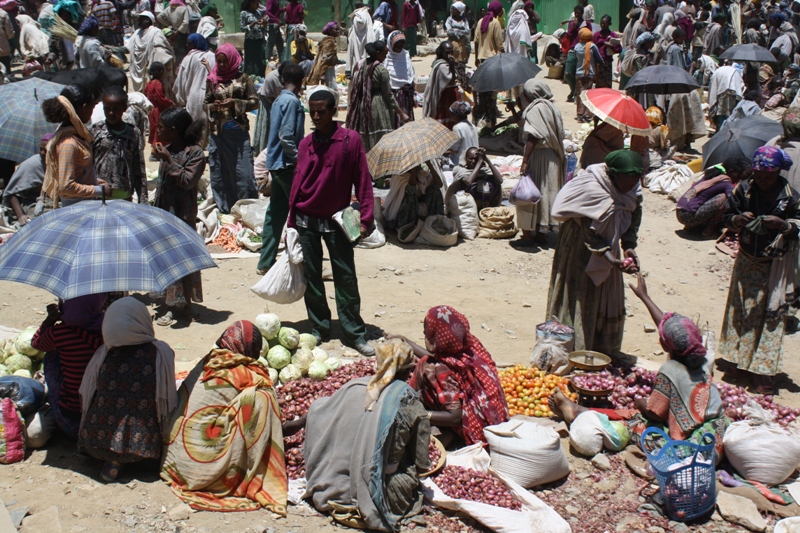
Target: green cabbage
[
  {"x": 318, "y": 371},
  {"x": 23, "y": 342},
  {"x": 278, "y": 357},
  {"x": 273, "y": 375},
  {"x": 307, "y": 340},
  {"x": 319, "y": 354},
  {"x": 263, "y": 360},
  {"x": 332, "y": 363},
  {"x": 5, "y": 350},
  {"x": 289, "y": 373},
  {"x": 18, "y": 362},
  {"x": 268, "y": 324},
  {"x": 23, "y": 373},
  {"x": 4, "y": 371},
  {"x": 302, "y": 359},
  {"x": 289, "y": 338}
]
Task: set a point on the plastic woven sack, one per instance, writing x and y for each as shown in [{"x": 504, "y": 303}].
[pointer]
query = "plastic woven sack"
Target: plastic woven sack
[
  {"x": 12, "y": 434},
  {"x": 526, "y": 452},
  {"x": 464, "y": 212},
  {"x": 438, "y": 230}
]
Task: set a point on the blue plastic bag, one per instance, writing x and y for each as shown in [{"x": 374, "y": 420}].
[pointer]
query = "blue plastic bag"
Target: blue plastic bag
[{"x": 26, "y": 393}]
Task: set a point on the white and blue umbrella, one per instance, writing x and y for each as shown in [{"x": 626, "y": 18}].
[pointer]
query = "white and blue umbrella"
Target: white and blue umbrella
[
  {"x": 22, "y": 122},
  {"x": 93, "y": 247}
]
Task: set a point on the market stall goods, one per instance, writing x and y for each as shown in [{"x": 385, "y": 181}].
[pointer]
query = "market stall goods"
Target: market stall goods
[
  {"x": 467, "y": 484},
  {"x": 528, "y": 389}
]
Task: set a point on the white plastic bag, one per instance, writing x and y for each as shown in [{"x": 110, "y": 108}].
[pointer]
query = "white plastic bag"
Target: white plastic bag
[
  {"x": 463, "y": 210},
  {"x": 375, "y": 240},
  {"x": 535, "y": 516},
  {"x": 285, "y": 282},
  {"x": 788, "y": 525},
  {"x": 761, "y": 450},
  {"x": 438, "y": 230},
  {"x": 554, "y": 342},
  {"x": 526, "y": 452},
  {"x": 251, "y": 213}
]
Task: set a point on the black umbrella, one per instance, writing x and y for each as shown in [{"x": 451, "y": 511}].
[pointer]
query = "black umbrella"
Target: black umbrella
[
  {"x": 740, "y": 139},
  {"x": 748, "y": 52},
  {"x": 662, "y": 79},
  {"x": 503, "y": 72}
]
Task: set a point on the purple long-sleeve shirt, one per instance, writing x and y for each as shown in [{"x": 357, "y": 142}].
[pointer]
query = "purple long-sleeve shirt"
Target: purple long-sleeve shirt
[
  {"x": 273, "y": 12},
  {"x": 326, "y": 173},
  {"x": 411, "y": 15},
  {"x": 294, "y": 13},
  {"x": 692, "y": 203}
]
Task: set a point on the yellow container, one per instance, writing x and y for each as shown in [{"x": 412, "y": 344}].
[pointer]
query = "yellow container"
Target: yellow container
[{"x": 696, "y": 165}]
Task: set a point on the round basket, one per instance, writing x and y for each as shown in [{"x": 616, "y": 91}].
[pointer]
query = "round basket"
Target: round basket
[
  {"x": 442, "y": 458},
  {"x": 589, "y": 392},
  {"x": 588, "y": 360}
]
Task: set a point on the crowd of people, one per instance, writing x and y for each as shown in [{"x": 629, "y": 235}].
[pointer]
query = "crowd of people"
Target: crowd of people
[{"x": 193, "y": 96}]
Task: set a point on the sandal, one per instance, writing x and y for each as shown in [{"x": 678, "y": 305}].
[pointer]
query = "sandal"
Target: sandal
[
  {"x": 166, "y": 319},
  {"x": 110, "y": 471},
  {"x": 764, "y": 385}
]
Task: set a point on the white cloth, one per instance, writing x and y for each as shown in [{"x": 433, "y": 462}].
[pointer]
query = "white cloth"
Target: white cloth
[
  {"x": 33, "y": 42},
  {"x": 360, "y": 34},
  {"x": 90, "y": 52},
  {"x": 190, "y": 83},
  {"x": 468, "y": 139},
  {"x": 128, "y": 323},
  {"x": 146, "y": 46},
  {"x": 401, "y": 71},
  {"x": 724, "y": 78},
  {"x": 206, "y": 27},
  {"x": 707, "y": 66},
  {"x": 518, "y": 33}
]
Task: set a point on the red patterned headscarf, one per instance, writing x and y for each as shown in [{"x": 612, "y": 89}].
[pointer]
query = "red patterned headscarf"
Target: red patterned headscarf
[
  {"x": 242, "y": 337},
  {"x": 680, "y": 336}
]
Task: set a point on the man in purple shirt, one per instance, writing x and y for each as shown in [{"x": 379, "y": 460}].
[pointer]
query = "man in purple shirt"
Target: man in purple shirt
[
  {"x": 274, "y": 37},
  {"x": 412, "y": 15},
  {"x": 294, "y": 15},
  {"x": 330, "y": 163}
]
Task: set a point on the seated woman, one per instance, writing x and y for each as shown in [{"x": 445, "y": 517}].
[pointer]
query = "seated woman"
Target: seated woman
[
  {"x": 479, "y": 177},
  {"x": 414, "y": 195},
  {"x": 702, "y": 207},
  {"x": 70, "y": 335},
  {"x": 602, "y": 140},
  {"x": 23, "y": 192},
  {"x": 684, "y": 403},
  {"x": 225, "y": 448},
  {"x": 457, "y": 378},
  {"x": 367, "y": 444},
  {"x": 654, "y": 148},
  {"x": 787, "y": 89},
  {"x": 128, "y": 390}
]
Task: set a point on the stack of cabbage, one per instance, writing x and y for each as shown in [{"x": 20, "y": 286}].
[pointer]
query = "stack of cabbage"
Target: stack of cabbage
[
  {"x": 18, "y": 357},
  {"x": 290, "y": 355}
]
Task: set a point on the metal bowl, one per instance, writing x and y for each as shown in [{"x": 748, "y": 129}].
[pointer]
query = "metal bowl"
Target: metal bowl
[
  {"x": 588, "y": 392},
  {"x": 589, "y": 360}
]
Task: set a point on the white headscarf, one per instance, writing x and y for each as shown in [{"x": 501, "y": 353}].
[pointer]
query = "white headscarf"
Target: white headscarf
[
  {"x": 401, "y": 71},
  {"x": 460, "y": 6}
]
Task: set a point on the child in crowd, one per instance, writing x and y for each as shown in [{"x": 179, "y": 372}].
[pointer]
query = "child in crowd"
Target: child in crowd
[{"x": 154, "y": 91}]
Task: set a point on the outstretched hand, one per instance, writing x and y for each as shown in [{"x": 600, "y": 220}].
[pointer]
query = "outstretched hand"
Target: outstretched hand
[{"x": 640, "y": 289}]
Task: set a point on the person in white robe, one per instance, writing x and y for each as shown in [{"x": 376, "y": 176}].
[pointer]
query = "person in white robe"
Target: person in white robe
[
  {"x": 190, "y": 83},
  {"x": 146, "y": 45},
  {"x": 361, "y": 33}
]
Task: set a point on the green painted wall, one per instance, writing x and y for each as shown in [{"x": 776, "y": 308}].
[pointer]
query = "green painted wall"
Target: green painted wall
[{"x": 318, "y": 13}]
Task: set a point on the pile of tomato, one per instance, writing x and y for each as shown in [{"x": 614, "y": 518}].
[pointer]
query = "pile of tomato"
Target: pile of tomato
[{"x": 528, "y": 389}]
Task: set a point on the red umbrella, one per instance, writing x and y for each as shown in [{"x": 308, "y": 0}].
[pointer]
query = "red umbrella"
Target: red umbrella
[{"x": 617, "y": 109}]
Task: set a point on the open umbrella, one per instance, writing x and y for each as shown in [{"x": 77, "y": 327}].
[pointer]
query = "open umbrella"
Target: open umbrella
[
  {"x": 94, "y": 247},
  {"x": 741, "y": 139},
  {"x": 503, "y": 72},
  {"x": 617, "y": 109},
  {"x": 22, "y": 123},
  {"x": 748, "y": 52},
  {"x": 662, "y": 79},
  {"x": 408, "y": 146}
]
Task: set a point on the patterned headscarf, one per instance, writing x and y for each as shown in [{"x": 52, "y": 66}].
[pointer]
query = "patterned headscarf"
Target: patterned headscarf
[
  {"x": 396, "y": 37},
  {"x": 655, "y": 115},
  {"x": 243, "y": 338},
  {"x": 391, "y": 357},
  {"x": 299, "y": 28},
  {"x": 460, "y": 7},
  {"x": 791, "y": 122},
  {"x": 461, "y": 108},
  {"x": 680, "y": 336},
  {"x": 234, "y": 61},
  {"x": 644, "y": 38},
  {"x": 495, "y": 9},
  {"x": 624, "y": 162},
  {"x": 771, "y": 159},
  {"x": 88, "y": 25},
  {"x": 198, "y": 41},
  {"x": 329, "y": 27}
]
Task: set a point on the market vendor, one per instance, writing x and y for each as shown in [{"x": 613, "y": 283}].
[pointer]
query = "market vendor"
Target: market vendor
[
  {"x": 478, "y": 176},
  {"x": 24, "y": 189},
  {"x": 367, "y": 444},
  {"x": 413, "y": 195},
  {"x": 684, "y": 402},
  {"x": 457, "y": 378}
]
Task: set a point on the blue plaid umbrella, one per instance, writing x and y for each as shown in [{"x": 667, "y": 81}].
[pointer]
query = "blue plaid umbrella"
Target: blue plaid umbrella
[
  {"x": 22, "y": 123},
  {"x": 94, "y": 247}
]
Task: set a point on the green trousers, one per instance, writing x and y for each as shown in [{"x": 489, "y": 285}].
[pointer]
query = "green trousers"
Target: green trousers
[
  {"x": 345, "y": 284},
  {"x": 569, "y": 71},
  {"x": 411, "y": 40},
  {"x": 275, "y": 219}
]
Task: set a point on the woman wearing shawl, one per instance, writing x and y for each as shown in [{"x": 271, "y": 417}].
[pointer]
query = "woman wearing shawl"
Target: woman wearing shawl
[
  {"x": 324, "y": 69},
  {"x": 128, "y": 390},
  {"x": 33, "y": 42},
  {"x": 208, "y": 26},
  {"x": 684, "y": 403},
  {"x": 456, "y": 377},
  {"x": 543, "y": 159},
  {"x": 224, "y": 450},
  {"x": 603, "y": 39},
  {"x": 372, "y": 105},
  {"x": 764, "y": 210},
  {"x": 367, "y": 445},
  {"x": 488, "y": 43},
  {"x": 518, "y": 34},
  {"x": 589, "y": 62},
  {"x": 146, "y": 46},
  {"x": 230, "y": 94},
  {"x": 360, "y": 34},
  {"x": 725, "y": 90},
  {"x": 458, "y": 32},
  {"x": 69, "y": 171},
  {"x": 401, "y": 73},
  {"x": 90, "y": 49},
  {"x": 70, "y": 335},
  {"x": 600, "y": 142},
  {"x": 713, "y": 37},
  {"x": 442, "y": 89},
  {"x": 600, "y": 212},
  {"x": 789, "y": 142},
  {"x": 190, "y": 83},
  {"x": 642, "y": 57},
  {"x": 702, "y": 207}
]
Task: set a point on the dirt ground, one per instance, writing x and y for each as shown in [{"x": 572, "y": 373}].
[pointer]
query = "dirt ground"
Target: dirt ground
[{"x": 501, "y": 290}]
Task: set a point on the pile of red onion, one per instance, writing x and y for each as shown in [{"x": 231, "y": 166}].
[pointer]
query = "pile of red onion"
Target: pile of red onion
[
  {"x": 293, "y": 454},
  {"x": 634, "y": 386},
  {"x": 595, "y": 381},
  {"x": 735, "y": 401},
  {"x": 467, "y": 484},
  {"x": 434, "y": 453}
]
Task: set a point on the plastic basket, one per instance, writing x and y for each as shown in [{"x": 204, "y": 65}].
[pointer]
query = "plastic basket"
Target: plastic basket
[{"x": 689, "y": 490}]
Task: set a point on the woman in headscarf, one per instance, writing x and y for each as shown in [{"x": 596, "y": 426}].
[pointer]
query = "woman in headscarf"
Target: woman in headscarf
[
  {"x": 70, "y": 335},
  {"x": 225, "y": 446},
  {"x": 600, "y": 211},
  {"x": 147, "y": 45},
  {"x": 458, "y": 32},
  {"x": 725, "y": 90},
  {"x": 604, "y": 41},
  {"x": 324, "y": 69},
  {"x": 600, "y": 142},
  {"x": 128, "y": 390},
  {"x": 789, "y": 142},
  {"x": 367, "y": 445},
  {"x": 419, "y": 195},
  {"x": 518, "y": 33},
  {"x": 488, "y": 43},
  {"x": 302, "y": 48},
  {"x": 360, "y": 34},
  {"x": 642, "y": 57},
  {"x": 90, "y": 49},
  {"x": 372, "y": 107},
  {"x": 230, "y": 95},
  {"x": 442, "y": 88},
  {"x": 190, "y": 83},
  {"x": 664, "y": 32},
  {"x": 456, "y": 378},
  {"x": 685, "y": 23},
  {"x": 208, "y": 26},
  {"x": 684, "y": 403},
  {"x": 654, "y": 147},
  {"x": 542, "y": 161},
  {"x": 253, "y": 22},
  {"x": 764, "y": 210},
  {"x": 589, "y": 61},
  {"x": 401, "y": 73}
]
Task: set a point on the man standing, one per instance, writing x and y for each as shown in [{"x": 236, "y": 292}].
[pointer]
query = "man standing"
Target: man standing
[
  {"x": 332, "y": 161},
  {"x": 294, "y": 15},
  {"x": 274, "y": 37},
  {"x": 286, "y": 118},
  {"x": 676, "y": 57},
  {"x": 412, "y": 15},
  {"x": 110, "y": 30},
  {"x": 176, "y": 16}
]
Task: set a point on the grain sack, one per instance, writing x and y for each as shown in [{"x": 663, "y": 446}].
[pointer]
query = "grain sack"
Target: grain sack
[
  {"x": 526, "y": 452},
  {"x": 496, "y": 223},
  {"x": 464, "y": 212},
  {"x": 438, "y": 230}
]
